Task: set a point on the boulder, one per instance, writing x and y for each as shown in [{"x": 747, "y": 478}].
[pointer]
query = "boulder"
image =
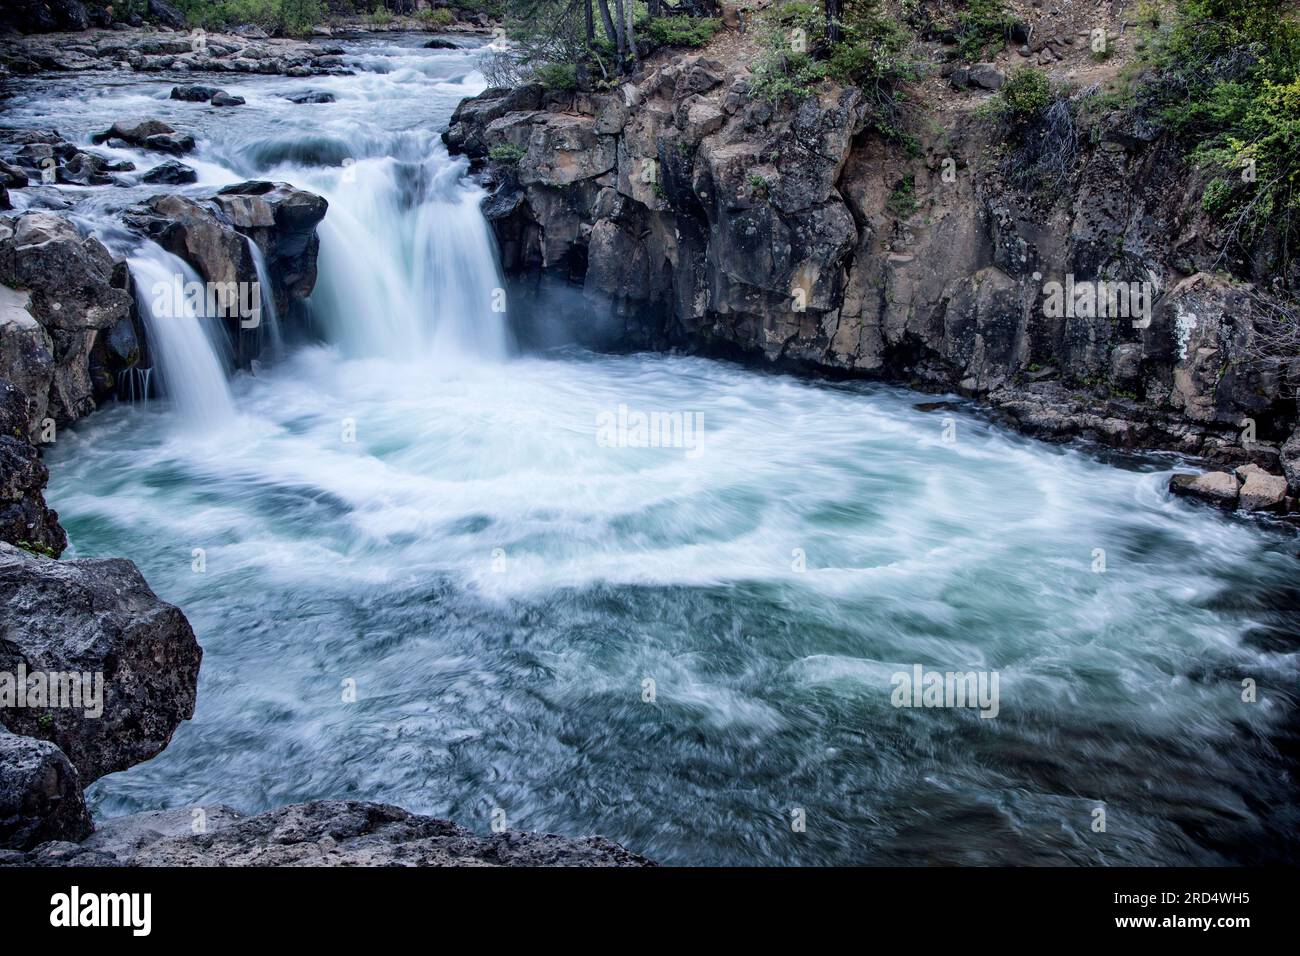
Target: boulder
[
  {"x": 87, "y": 169},
  {"x": 987, "y": 76},
  {"x": 1215, "y": 487},
  {"x": 96, "y": 618},
  {"x": 226, "y": 99},
  {"x": 1260, "y": 491},
  {"x": 282, "y": 220},
  {"x": 194, "y": 94},
  {"x": 170, "y": 173},
  {"x": 148, "y": 134},
  {"x": 43, "y": 16},
  {"x": 315, "y": 96},
  {"x": 193, "y": 231},
  {"x": 1290, "y": 456},
  {"x": 40, "y": 794},
  {"x": 164, "y": 13}
]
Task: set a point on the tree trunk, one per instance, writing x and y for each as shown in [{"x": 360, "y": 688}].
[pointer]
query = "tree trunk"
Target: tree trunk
[
  {"x": 608, "y": 21},
  {"x": 655, "y": 9},
  {"x": 618, "y": 27},
  {"x": 631, "y": 38},
  {"x": 589, "y": 21},
  {"x": 834, "y": 10}
]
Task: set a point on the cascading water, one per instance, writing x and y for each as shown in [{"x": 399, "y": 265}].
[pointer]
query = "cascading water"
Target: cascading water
[
  {"x": 406, "y": 247},
  {"x": 269, "y": 324},
  {"x": 186, "y": 355},
  {"x": 499, "y": 585}
]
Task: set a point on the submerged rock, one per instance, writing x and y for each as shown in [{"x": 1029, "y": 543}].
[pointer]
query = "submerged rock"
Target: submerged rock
[
  {"x": 137, "y": 657},
  {"x": 316, "y": 96},
  {"x": 194, "y": 94}
]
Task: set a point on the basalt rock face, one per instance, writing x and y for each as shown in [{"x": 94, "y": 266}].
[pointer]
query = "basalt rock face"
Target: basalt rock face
[
  {"x": 40, "y": 794},
  {"x": 320, "y": 833},
  {"x": 24, "y": 517},
  {"x": 62, "y": 294},
  {"x": 705, "y": 217},
  {"x": 98, "y": 619}
]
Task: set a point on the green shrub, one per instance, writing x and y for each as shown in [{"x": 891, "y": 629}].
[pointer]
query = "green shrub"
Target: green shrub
[
  {"x": 507, "y": 153},
  {"x": 1228, "y": 84},
  {"x": 902, "y": 202},
  {"x": 442, "y": 17},
  {"x": 556, "y": 76},
  {"x": 983, "y": 26},
  {"x": 678, "y": 31},
  {"x": 1025, "y": 94},
  {"x": 284, "y": 17},
  {"x": 785, "y": 67}
]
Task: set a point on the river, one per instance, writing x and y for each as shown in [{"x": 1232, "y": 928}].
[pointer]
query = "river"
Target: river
[{"x": 425, "y": 570}]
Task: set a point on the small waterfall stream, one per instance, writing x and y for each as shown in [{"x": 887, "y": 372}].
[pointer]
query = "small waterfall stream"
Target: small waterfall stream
[{"x": 187, "y": 355}]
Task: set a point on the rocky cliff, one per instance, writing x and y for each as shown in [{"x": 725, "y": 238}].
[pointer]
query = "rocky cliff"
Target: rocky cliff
[{"x": 699, "y": 215}]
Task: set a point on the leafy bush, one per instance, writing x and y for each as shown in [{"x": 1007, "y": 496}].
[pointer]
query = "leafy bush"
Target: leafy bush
[
  {"x": 679, "y": 31},
  {"x": 902, "y": 202},
  {"x": 284, "y": 17},
  {"x": 785, "y": 66},
  {"x": 556, "y": 76},
  {"x": 981, "y": 27},
  {"x": 442, "y": 17},
  {"x": 1228, "y": 83},
  {"x": 507, "y": 153},
  {"x": 1025, "y": 94}
]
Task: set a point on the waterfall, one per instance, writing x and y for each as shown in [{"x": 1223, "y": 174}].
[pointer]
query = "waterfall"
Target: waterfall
[
  {"x": 186, "y": 355},
  {"x": 408, "y": 267},
  {"x": 270, "y": 324}
]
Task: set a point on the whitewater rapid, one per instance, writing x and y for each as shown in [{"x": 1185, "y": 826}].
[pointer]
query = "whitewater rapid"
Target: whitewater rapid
[{"x": 674, "y": 647}]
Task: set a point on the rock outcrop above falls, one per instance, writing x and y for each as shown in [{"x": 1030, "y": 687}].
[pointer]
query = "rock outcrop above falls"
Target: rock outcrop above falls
[
  {"x": 212, "y": 234},
  {"x": 705, "y": 217},
  {"x": 320, "y": 833}
]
